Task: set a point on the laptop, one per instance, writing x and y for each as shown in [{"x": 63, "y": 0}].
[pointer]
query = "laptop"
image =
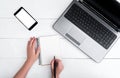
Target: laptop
[{"x": 91, "y": 25}]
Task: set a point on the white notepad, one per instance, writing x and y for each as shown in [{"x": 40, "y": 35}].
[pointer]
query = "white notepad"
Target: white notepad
[{"x": 49, "y": 48}]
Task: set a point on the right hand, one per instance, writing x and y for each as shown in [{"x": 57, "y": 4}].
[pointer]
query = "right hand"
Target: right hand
[{"x": 59, "y": 68}]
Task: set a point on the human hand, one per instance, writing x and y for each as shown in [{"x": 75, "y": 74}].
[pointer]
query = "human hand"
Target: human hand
[
  {"x": 32, "y": 51},
  {"x": 59, "y": 68}
]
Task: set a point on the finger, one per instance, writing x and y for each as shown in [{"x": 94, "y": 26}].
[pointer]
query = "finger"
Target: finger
[
  {"x": 58, "y": 60},
  {"x": 52, "y": 64},
  {"x": 28, "y": 43},
  {"x": 38, "y": 51},
  {"x": 34, "y": 43},
  {"x": 31, "y": 41},
  {"x": 31, "y": 38}
]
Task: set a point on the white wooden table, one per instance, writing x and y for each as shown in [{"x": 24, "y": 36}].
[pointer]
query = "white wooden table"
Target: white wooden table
[{"x": 14, "y": 37}]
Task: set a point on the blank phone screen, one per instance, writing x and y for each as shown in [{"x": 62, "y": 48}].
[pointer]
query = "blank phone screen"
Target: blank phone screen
[{"x": 25, "y": 18}]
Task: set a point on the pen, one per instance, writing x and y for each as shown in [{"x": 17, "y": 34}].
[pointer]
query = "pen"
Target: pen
[{"x": 55, "y": 65}]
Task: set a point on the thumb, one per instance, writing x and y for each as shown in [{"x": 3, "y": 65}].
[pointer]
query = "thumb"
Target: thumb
[
  {"x": 38, "y": 51},
  {"x": 52, "y": 64}
]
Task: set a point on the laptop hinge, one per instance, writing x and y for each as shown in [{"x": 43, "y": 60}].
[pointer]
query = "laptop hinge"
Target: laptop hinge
[
  {"x": 118, "y": 30},
  {"x": 80, "y": 1}
]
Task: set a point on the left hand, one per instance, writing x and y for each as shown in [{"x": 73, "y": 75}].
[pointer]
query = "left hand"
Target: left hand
[{"x": 32, "y": 52}]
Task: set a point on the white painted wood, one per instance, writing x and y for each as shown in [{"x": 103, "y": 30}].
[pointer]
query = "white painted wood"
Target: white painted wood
[
  {"x": 10, "y": 66},
  {"x": 85, "y": 68},
  {"x": 13, "y": 48},
  {"x": 37, "y": 8},
  {"x": 16, "y": 47},
  {"x": 14, "y": 37},
  {"x": 12, "y": 28},
  {"x": 8, "y": 8},
  {"x": 73, "y": 68}
]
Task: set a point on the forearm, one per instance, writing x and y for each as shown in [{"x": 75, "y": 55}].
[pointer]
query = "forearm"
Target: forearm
[{"x": 24, "y": 70}]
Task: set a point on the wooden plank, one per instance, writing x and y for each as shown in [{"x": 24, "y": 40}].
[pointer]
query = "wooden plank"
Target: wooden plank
[
  {"x": 12, "y": 28},
  {"x": 109, "y": 68},
  {"x": 37, "y": 8},
  {"x": 8, "y": 7},
  {"x": 16, "y": 47},
  {"x": 13, "y": 48},
  {"x": 73, "y": 68},
  {"x": 10, "y": 66}
]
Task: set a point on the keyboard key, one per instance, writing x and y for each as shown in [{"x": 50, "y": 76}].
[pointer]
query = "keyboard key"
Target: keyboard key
[{"x": 90, "y": 26}]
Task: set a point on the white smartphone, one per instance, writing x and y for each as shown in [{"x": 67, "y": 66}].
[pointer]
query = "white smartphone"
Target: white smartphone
[{"x": 25, "y": 18}]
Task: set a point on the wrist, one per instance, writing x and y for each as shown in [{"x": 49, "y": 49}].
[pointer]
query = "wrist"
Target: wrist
[{"x": 29, "y": 62}]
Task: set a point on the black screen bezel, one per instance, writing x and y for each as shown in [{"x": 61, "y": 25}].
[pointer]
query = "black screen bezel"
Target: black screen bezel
[
  {"x": 32, "y": 26},
  {"x": 95, "y": 6}
]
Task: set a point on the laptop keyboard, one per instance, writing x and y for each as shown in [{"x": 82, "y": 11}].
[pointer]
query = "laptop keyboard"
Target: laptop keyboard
[{"x": 90, "y": 26}]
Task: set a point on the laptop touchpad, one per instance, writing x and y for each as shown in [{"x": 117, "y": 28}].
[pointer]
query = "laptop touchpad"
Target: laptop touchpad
[{"x": 76, "y": 36}]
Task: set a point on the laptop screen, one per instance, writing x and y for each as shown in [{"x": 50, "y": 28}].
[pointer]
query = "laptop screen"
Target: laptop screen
[{"x": 108, "y": 8}]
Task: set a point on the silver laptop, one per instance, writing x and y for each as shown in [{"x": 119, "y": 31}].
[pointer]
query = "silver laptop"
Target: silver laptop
[{"x": 91, "y": 25}]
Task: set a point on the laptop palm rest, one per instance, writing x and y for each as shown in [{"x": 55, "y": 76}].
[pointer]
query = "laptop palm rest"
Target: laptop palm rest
[{"x": 75, "y": 36}]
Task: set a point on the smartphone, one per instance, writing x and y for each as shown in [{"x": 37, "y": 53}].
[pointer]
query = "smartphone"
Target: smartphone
[{"x": 25, "y": 18}]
